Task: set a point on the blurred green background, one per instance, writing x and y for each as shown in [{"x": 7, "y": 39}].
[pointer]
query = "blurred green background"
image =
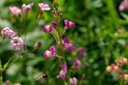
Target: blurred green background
[{"x": 97, "y": 22}]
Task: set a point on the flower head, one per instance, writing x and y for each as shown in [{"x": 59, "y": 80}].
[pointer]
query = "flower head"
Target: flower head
[
  {"x": 48, "y": 28},
  {"x": 73, "y": 81},
  {"x": 63, "y": 72},
  {"x": 68, "y": 45},
  {"x": 49, "y": 53},
  {"x": 8, "y": 32},
  {"x": 15, "y": 10},
  {"x": 69, "y": 24},
  {"x": 17, "y": 43},
  {"x": 123, "y": 5},
  {"x": 44, "y": 6},
  {"x": 26, "y": 7},
  {"x": 77, "y": 63}
]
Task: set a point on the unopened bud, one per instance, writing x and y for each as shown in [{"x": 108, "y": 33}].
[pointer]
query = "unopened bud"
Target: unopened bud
[
  {"x": 37, "y": 45},
  {"x": 54, "y": 24},
  {"x": 60, "y": 15},
  {"x": 83, "y": 76}
]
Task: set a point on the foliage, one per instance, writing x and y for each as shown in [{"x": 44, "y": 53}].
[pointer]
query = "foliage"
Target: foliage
[{"x": 97, "y": 22}]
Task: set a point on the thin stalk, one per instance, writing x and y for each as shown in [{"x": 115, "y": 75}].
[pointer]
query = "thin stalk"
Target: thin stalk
[
  {"x": 59, "y": 33},
  {"x": 15, "y": 59},
  {"x": 1, "y": 41},
  {"x": 63, "y": 32},
  {"x": 1, "y": 72},
  {"x": 54, "y": 37}
]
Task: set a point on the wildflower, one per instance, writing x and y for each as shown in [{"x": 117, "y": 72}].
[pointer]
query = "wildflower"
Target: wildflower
[
  {"x": 121, "y": 61},
  {"x": 63, "y": 72},
  {"x": 112, "y": 68},
  {"x": 7, "y": 82},
  {"x": 49, "y": 53},
  {"x": 15, "y": 10},
  {"x": 69, "y": 24},
  {"x": 126, "y": 77},
  {"x": 8, "y": 32},
  {"x": 68, "y": 45},
  {"x": 108, "y": 69},
  {"x": 77, "y": 63},
  {"x": 26, "y": 7},
  {"x": 17, "y": 43},
  {"x": 81, "y": 51},
  {"x": 48, "y": 28},
  {"x": 120, "y": 31},
  {"x": 123, "y": 5},
  {"x": 73, "y": 81},
  {"x": 44, "y": 6}
]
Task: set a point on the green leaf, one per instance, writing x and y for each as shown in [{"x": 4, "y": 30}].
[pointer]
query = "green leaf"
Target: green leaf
[
  {"x": 7, "y": 63},
  {"x": 0, "y": 65}
]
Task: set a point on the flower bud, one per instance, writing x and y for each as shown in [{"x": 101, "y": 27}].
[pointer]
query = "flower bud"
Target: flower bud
[
  {"x": 108, "y": 69},
  {"x": 37, "y": 45}
]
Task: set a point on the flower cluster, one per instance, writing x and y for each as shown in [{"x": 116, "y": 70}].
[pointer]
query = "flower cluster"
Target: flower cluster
[
  {"x": 17, "y": 11},
  {"x": 16, "y": 42},
  {"x": 65, "y": 44},
  {"x": 8, "y": 32},
  {"x": 116, "y": 69}
]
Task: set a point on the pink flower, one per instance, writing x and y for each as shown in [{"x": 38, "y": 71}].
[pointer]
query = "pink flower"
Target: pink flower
[
  {"x": 17, "y": 43},
  {"x": 8, "y": 32},
  {"x": 82, "y": 52},
  {"x": 120, "y": 31},
  {"x": 69, "y": 24},
  {"x": 7, "y": 82},
  {"x": 49, "y": 53},
  {"x": 15, "y": 10},
  {"x": 26, "y": 7},
  {"x": 63, "y": 72},
  {"x": 68, "y": 45},
  {"x": 48, "y": 28},
  {"x": 123, "y": 5},
  {"x": 77, "y": 63},
  {"x": 44, "y": 6},
  {"x": 73, "y": 81},
  {"x": 112, "y": 68}
]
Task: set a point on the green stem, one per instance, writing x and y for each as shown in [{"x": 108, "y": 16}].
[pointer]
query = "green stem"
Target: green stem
[
  {"x": 59, "y": 33},
  {"x": 54, "y": 37},
  {"x": 1, "y": 41},
  {"x": 1, "y": 72}
]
